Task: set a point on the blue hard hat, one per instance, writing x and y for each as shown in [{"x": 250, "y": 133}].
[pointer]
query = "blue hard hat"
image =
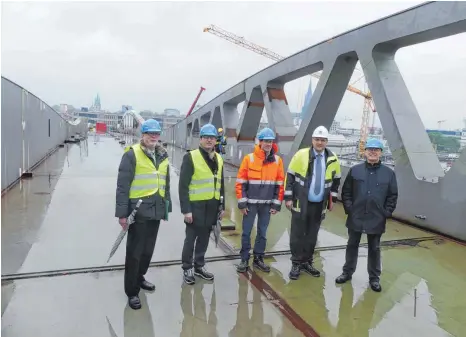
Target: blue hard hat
[
  {"x": 373, "y": 143},
  {"x": 266, "y": 134},
  {"x": 150, "y": 125},
  {"x": 208, "y": 130}
]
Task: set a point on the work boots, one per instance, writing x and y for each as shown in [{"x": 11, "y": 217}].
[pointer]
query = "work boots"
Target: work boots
[
  {"x": 309, "y": 268},
  {"x": 260, "y": 264},
  {"x": 188, "y": 276},
  {"x": 295, "y": 271},
  {"x": 203, "y": 273},
  {"x": 242, "y": 267}
]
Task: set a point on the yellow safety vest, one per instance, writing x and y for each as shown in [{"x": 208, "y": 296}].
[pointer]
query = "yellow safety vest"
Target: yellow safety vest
[
  {"x": 147, "y": 179},
  {"x": 204, "y": 184},
  {"x": 300, "y": 163}
]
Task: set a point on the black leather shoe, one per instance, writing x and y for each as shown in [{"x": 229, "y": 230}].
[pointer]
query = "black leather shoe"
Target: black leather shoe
[
  {"x": 147, "y": 285},
  {"x": 375, "y": 285},
  {"x": 343, "y": 278},
  {"x": 134, "y": 302}
]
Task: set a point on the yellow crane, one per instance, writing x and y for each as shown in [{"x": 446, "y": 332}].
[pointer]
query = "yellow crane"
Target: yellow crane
[{"x": 241, "y": 41}]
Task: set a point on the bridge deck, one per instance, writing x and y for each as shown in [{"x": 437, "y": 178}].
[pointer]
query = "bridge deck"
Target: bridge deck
[{"x": 63, "y": 219}]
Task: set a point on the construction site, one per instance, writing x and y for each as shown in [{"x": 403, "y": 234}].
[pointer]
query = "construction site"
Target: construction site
[{"x": 58, "y": 204}]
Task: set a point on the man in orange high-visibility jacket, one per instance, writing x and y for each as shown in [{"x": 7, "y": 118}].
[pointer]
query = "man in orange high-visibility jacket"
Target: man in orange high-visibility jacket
[{"x": 260, "y": 191}]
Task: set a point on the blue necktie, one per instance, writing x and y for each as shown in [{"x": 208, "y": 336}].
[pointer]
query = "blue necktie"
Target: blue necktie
[{"x": 318, "y": 181}]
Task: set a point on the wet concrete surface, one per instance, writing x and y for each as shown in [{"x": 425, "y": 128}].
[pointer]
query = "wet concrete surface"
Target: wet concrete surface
[
  {"x": 433, "y": 270},
  {"x": 24, "y": 208},
  {"x": 77, "y": 229},
  {"x": 230, "y": 306}
]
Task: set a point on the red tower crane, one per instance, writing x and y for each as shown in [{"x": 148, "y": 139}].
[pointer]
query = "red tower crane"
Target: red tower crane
[{"x": 195, "y": 101}]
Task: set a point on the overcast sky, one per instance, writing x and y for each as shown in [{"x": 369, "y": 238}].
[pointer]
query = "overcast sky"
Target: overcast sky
[{"x": 154, "y": 55}]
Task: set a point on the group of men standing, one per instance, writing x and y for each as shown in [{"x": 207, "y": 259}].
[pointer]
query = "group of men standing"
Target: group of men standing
[{"x": 309, "y": 189}]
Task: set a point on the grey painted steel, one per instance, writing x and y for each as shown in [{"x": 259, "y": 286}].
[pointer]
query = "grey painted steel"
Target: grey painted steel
[
  {"x": 25, "y": 131},
  {"x": 428, "y": 196}
]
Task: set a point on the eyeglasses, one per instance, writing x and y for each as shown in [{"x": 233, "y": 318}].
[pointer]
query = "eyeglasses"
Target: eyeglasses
[{"x": 153, "y": 133}]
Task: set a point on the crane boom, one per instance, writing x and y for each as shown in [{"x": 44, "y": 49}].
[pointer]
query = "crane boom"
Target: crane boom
[
  {"x": 241, "y": 41},
  {"x": 195, "y": 101}
]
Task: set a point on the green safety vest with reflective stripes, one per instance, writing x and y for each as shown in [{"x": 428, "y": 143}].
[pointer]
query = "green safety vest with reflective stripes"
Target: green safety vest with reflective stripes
[
  {"x": 299, "y": 168},
  {"x": 204, "y": 184},
  {"x": 147, "y": 179}
]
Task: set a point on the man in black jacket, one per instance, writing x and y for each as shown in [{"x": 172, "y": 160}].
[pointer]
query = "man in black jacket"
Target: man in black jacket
[
  {"x": 369, "y": 194},
  {"x": 200, "y": 190},
  {"x": 143, "y": 174}
]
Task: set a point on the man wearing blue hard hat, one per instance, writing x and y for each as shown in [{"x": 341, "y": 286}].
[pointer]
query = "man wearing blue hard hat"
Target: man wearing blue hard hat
[
  {"x": 201, "y": 191},
  {"x": 259, "y": 191},
  {"x": 143, "y": 174},
  {"x": 369, "y": 195}
]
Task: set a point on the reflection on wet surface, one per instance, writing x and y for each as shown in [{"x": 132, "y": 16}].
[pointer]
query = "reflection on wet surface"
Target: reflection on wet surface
[
  {"x": 24, "y": 208},
  {"x": 76, "y": 220},
  {"x": 433, "y": 268},
  {"x": 65, "y": 220},
  {"x": 98, "y": 307}
]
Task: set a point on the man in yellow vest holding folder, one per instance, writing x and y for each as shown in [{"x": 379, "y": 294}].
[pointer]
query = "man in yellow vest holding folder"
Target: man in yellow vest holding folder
[
  {"x": 143, "y": 174},
  {"x": 200, "y": 189}
]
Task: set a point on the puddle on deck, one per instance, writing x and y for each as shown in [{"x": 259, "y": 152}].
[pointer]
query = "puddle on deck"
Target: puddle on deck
[{"x": 79, "y": 210}]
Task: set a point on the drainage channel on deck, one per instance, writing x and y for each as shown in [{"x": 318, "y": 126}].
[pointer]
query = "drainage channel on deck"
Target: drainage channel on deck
[{"x": 423, "y": 274}]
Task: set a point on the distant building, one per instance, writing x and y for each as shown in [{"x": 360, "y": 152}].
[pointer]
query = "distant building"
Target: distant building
[
  {"x": 171, "y": 112},
  {"x": 336, "y": 125},
  {"x": 112, "y": 120}
]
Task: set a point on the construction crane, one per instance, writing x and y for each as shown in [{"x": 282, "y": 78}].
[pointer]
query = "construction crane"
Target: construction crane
[
  {"x": 195, "y": 101},
  {"x": 241, "y": 41}
]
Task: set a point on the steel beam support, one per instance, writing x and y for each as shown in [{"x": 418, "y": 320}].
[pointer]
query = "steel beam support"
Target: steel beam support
[{"x": 326, "y": 98}]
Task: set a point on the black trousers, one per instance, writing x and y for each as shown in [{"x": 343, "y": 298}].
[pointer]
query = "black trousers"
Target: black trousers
[
  {"x": 303, "y": 236},
  {"x": 373, "y": 254},
  {"x": 140, "y": 244},
  {"x": 197, "y": 241}
]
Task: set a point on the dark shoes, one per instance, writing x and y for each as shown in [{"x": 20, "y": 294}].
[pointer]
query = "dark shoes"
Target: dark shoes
[
  {"x": 242, "y": 267},
  {"x": 188, "y": 275},
  {"x": 295, "y": 271},
  {"x": 343, "y": 278},
  {"x": 203, "y": 273},
  {"x": 309, "y": 268},
  {"x": 257, "y": 263},
  {"x": 147, "y": 285},
  {"x": 375, "y": 284},
  {"x": 134, "y": 302},
  {"x": 260, "y": 264}
]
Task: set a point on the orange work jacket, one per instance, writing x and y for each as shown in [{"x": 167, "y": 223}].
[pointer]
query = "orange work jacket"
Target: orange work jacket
[{"x": 260, "y": 180}]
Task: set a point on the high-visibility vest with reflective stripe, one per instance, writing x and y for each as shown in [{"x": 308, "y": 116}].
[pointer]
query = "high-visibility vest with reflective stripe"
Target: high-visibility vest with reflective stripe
[
  {"x": 147, "y": 179},
  {"x": 300, "y": 163},
  {"x": 204, "y": 184}
]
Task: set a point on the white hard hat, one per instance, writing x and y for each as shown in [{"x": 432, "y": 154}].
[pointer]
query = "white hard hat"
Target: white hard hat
[{"x": 320, "y": 132}]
